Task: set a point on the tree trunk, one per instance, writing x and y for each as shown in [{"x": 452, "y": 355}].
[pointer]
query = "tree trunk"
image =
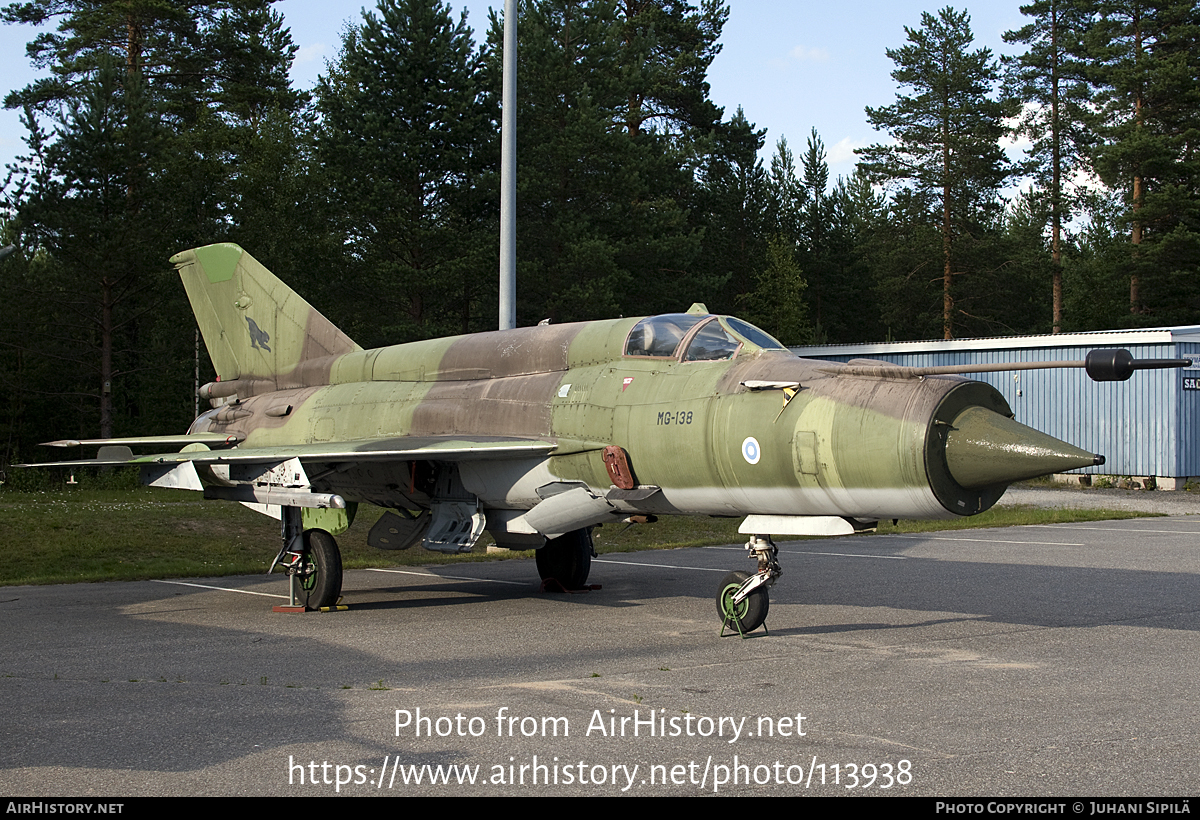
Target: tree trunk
[
  {"x": 1138, "y": 187},
  {"x": 947, "y": 299},
  {"x": 106, "y": 358},
  {"x": 1056, "y": 204}
]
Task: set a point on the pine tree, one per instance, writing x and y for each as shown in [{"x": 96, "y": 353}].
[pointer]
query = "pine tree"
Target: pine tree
[
  {"x": 1051, "y": 81},
  {"x": 821, "y": 224},
  {"x": 666, "y": 49},
  {"x": 815, "y": 231},
  {"x": 786, "y": 195},
  {"x": 777, "y": 301},
  {"x": 947, "y": 134},
  {"x": 575, "y": 167},
  {"x": 602, "y": 226},
  {"x": 850, "y": 312},
  {"x": 159, "y": 42},
  {"x": 211, "y": 69},
  {"x": 402, "y": 139},
  {"x": 85, "y": 218},
  {"x": 155, "y": 108},
  {"x": 902, "y": 249},
  {"x": 252, "y": 54},
  {"x": 251, "y": 151},
  {"x": 1096, "y": 287},
  {"x": 1147, "y": 58},
  {"x": 736, "y": 197}
]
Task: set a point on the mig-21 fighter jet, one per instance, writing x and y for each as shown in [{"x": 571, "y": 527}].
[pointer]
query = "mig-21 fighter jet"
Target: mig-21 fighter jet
[{"x": 539, "y": 434}]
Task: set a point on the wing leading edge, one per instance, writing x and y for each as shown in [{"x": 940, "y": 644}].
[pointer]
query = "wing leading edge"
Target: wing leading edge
[{"x": 117, "y": 452}]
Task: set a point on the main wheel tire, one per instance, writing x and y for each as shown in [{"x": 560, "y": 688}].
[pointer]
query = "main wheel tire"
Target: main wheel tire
[
  {"x": 567, "y": 559},
  {"x": 320, "y": 576},
  {"x": 751, "y": 612}
]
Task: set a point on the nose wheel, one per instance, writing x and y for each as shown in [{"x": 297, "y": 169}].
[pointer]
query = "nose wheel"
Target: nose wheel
[
  {"x": 742, "y": 599},
  {"x": 746, "y": 615}
]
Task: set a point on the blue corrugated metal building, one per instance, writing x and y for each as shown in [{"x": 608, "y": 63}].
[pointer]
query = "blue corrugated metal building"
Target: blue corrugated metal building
[{"x": 1147, "y": 426}]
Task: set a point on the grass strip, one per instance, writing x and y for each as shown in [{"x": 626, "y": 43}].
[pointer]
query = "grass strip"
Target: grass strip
[{"x": 57, "y": 537}]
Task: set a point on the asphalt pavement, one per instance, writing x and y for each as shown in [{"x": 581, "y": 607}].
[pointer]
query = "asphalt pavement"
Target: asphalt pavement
[{"x": 1054, "y": 660}]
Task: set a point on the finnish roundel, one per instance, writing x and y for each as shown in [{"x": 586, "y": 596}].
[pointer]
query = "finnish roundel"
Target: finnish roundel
[{"x": 750, "y": 450}]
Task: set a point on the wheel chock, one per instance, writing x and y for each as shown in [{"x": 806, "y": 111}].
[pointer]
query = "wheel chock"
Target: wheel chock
[{"x": 739, "y": 631}]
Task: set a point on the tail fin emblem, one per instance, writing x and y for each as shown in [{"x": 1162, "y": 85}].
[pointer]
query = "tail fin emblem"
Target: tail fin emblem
[{"x": 258, "y": 336}]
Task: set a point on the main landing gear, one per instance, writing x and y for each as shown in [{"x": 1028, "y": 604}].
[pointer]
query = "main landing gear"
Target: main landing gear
[
  {"x": 742, "y": 599},
  {"x": 566, "y": 560},
  {"x": 312, "y": 562}
]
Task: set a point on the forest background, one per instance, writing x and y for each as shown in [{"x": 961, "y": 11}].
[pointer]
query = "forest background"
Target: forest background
[{"x": 167, "y": 124}]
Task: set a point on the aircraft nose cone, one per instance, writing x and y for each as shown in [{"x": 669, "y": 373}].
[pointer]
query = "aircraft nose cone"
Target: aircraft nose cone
[{"x": 985, "y": 448}]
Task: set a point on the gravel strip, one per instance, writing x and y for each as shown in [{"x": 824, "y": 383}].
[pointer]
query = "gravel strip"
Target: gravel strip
[{"x": 1175, "y": 502}]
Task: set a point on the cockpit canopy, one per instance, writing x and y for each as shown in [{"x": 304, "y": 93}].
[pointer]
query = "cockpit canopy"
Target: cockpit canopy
[{"x": 692, "y": 337}]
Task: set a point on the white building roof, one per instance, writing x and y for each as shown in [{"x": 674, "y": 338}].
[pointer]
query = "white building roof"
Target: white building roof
[{"x": 1095, "y": 338}]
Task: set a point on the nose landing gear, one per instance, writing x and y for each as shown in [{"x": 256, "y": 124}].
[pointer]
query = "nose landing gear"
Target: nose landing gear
[{"x": 742, "y": 599}]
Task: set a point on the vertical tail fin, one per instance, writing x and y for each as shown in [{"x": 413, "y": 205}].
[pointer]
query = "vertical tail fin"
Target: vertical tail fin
[{"x": 255, "y": 326}]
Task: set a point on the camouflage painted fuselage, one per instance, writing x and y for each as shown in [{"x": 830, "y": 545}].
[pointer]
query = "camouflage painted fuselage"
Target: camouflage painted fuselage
[
  {"x": 745, "y": 430},
  {"x": 854, "y": 447}
]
